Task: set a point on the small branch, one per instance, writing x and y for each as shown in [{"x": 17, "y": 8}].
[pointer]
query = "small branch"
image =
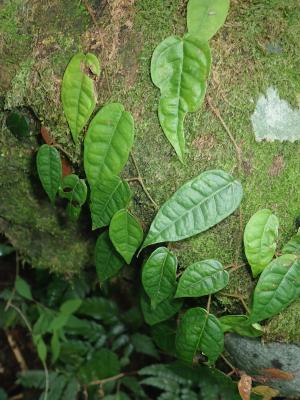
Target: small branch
[
  {"x": 139, "y": 179},
  {"x": 22, "y": 316},
  {"x": 230, "y": 365},
  {"x": 46, "y": 380},
  {"x": 17, "y": 352},
  {"x": 208, "y": 303},
  {"x": 237, "y": 296},
  {"x": 106, "y": 380}
]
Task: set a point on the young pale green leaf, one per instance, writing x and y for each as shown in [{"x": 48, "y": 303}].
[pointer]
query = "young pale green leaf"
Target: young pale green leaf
[
  {"x": 41, "y": 347},
  {"x": 108, "y": 262},
  {"x": 277, "y": 287},
  {"x": 195, "y": 207},
  {"x": 202, "y": 278},
  {"x": 55, "y": 346},
  {"x": 240, "y": 324},
  {"x": 108, "y": 142},
  {"x": 49, "y": 169},
  {"x": 159, "y": 275},
  {"x": 109, "y": 195},
  {"x": 260, "y": 237},
  {"x": 292, "y": 246},
  {"x": 78, "y": 92},
  {"x": 205, "y": 17},
  {"x": 199, "y": 331},
  {"x": 126, "y": 234},
  {"x": 70, "y": 306},
  {"x": 179, "y": 68},
  {"x": 163, "y": 311},
  {"x": 23, "y": 289}
]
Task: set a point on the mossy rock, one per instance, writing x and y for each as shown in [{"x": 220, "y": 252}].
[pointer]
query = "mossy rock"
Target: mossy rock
[{"x": 36, "y": 51}]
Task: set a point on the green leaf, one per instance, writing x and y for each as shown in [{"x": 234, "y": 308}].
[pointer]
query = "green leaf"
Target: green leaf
[
  {"x": 144, "y": 344},
  {"x": 108, "y": 142},
  {"x": 22, "y": 288},
  {"x": 99, "y": 308},
  {"x": 126, "y": 234},
  {"x": 199, "y": 331},
  {"x": 239, "y": 324},
  {"x": 164, "y": 335},
  {"x": 109, "y": 195},
  {"x": 70, "y": 306},
  {"x": 3, "y": 394},
  {"x": 163, "y": 311},
  {"x": 17, "y": 124},
  {"x": 55, "y": 346},
  {"x": 117, "y": 396},
  {"x": 202, "y": 278},
  {"x": 5, "y": 250},
  {"x": 41, "y": 347},
  {"x": 108, "y": 261},
  {"x": 179, "y": 68},
  {"x": 260, "y": 237},
  {"x": 205, "y": 17},
  {"x": 71, "y": 390},
  {"x": 277, "y": 287},
  {"x": 75, "y": 190},
  {"x": 49, "y": 169},
  {"x": 35, "y": 378},
  {"x": 59, "y": 322},
  {"x": 78, "y": 92},
  {"x": 292, "y": 246},
  {"x": 159, "y": 275},
  {"x": 197, "y": 206},
  {"x": 103, "y": 364}
]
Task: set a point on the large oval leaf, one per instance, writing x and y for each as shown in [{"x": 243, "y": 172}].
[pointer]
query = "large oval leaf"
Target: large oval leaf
[
  {"x": 126, "y": 234},
  {"x": 195, "y": 207},
  {"x": 202, "y": 278},
  {"x": 49, "y": 169},
  {"x": 78, "y": 93},
  {"x": 164, "y": 310},
  {"x": 109, "y": 195},
  {"x": 292, "y": 246},
  {"x": 199, "y": 331},
  {"x": 179, "y": 68},
  {"x": 205, "y": 17},
  {"x": 277, "y": 287},
  {"x": 159, "y": 275},
  {"x": 108, "y": 142},
  {"x": 260, "y": 237},
  {"x": 108, "y": 261}
]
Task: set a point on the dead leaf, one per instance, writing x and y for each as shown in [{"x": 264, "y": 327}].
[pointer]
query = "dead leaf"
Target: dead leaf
[
  {"x": 48, "y": 139},
  {"x": 245, "y": 386},
  {"x": 275, "y": 373},
  {"x": 267, "y": 392}
]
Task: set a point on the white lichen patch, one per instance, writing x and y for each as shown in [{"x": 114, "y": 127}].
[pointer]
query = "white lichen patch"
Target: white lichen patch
[{"x": 274, "y": 119}]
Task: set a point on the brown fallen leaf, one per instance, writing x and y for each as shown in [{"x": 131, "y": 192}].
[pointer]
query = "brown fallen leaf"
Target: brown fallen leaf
[
  {"x": 245, "y": 386},
  {"x": 267, "y": 392},
  {"x": 66, "y": 166},
  {"x": 48, "y": 139},
  {"x": 275, "y": 373}
]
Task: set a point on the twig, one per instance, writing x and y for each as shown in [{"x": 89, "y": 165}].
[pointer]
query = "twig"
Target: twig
[
  {"x": 139, "y": 179},
  {"x": 233, "y": 368},
  {"x": 239, "y": 297},
  {"x": 208, "y": 303},
  {"x": 106, "y": 380},
  {"x": 17, "y": 397},
  {"x": 95, "y": 22},
  {"x": 46, "y": 380},
  {"x": 14, "y": 289},
  {"x": 21, "y": 315},
  {"x": 17, "y": 352}
]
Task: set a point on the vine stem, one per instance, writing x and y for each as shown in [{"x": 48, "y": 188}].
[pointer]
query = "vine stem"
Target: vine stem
[
  {"x": 208, "y": 303},
  {"x": 140, "y": 180},
  {"x": 95, "y": 22},
  {"x": 106, "y": 380},
  {"x": 239, "y": 297},
  {"x": 230, "y": 365}
]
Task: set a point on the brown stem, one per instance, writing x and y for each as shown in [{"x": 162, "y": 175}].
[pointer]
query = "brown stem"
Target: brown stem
[
  {"x": 17, "y": 352},
  {"x": 230, "y": 365},
  {"x": 208, "y": 303}
]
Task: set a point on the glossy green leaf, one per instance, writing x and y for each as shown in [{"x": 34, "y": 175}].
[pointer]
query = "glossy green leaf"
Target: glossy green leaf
[
  {"x": 277, "y": 287},
  {"x": 58, "y": 322},
  {"x": 18, "y": 124},
  {"x": 78, "y": 92},
  {"x": 126, "y": 234},
  {"x": 195, "y": 207},
  {"x": 5, "y": 249},
  {"x": 179, "y": 68},
  {"x": 159, "y": 275},
  {"x": 23, "y": 288},
  {"x": 103, "y": 364},
  {"x": 108, "y": 261},
  {"x": 205, "y": 17},
  {"x": 108, "y": 142},
  {"x": 41, "y": 347},
  {"x": 202, "y": 278},
  {"x": 292, "y": 246},
  {"x": 260, "y": 237},
  {"x": 163, "y": 311},
  {"x": 199, "y": 331},
  {"x": 49, "y": 169},
  {"x": 240, "y": 324},
  {"x": 109, "y": 195},
  {"x": 70, "y": 306}
]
